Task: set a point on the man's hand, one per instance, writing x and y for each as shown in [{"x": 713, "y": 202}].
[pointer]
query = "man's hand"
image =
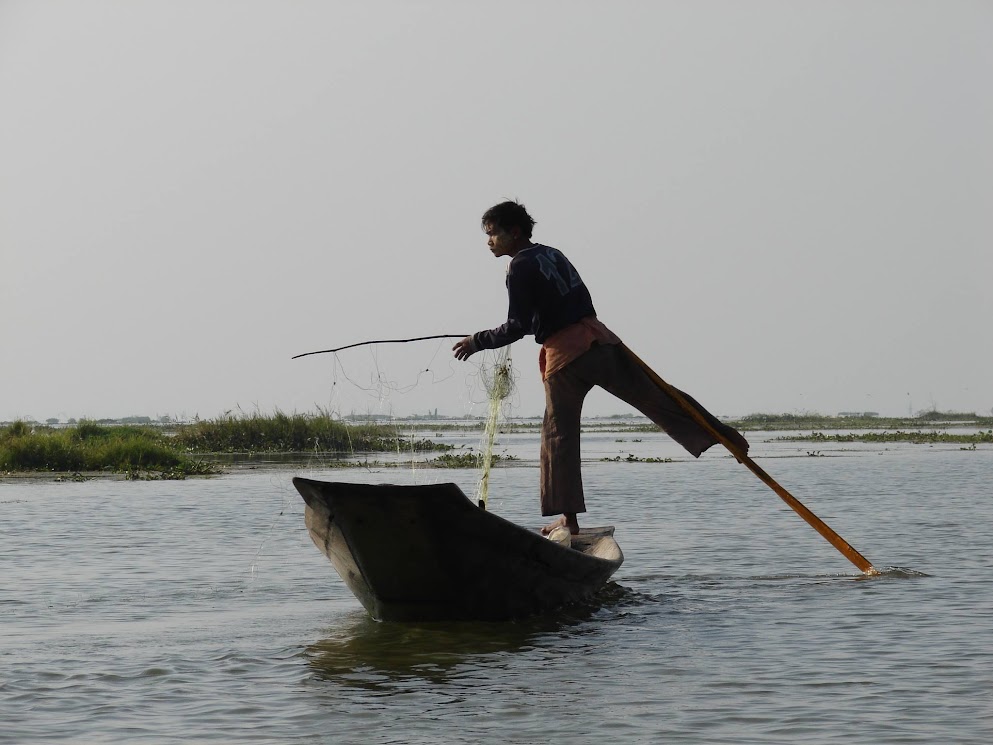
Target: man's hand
[{"x": 464, "y": 349}]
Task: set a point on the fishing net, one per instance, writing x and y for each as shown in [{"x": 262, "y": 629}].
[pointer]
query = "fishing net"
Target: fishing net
[
  {"x": 423, "y": 395},
  {"x": 498, "y": 379}
]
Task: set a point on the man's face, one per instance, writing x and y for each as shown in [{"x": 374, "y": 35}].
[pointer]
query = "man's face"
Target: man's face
[{"x": 502, "y": 242}]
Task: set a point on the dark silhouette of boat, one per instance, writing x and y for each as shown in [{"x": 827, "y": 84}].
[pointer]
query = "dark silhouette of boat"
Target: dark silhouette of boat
[{"x": 424, "y": 553}]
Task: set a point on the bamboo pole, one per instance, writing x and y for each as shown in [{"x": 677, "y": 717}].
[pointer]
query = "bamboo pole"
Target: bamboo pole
[{"x": 380, "y": 341}]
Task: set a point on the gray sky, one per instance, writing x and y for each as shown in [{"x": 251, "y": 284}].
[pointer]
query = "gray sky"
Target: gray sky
[{"x": 781, "y": 206}]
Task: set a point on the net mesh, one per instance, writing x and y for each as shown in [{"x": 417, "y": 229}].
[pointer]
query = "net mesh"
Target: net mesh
[{"x": 498, "y": 380}]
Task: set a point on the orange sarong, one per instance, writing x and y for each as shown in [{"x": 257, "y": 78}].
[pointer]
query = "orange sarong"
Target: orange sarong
[{"x": 574, "y": 340}]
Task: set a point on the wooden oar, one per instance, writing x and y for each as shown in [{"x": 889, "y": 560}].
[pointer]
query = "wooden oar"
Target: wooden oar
[{"x": 815, "y": 522}]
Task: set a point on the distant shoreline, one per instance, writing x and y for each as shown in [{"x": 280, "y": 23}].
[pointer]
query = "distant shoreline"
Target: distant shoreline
[
  {"x": 607, "y": 423},
  {"x": 170, "y": 450}
]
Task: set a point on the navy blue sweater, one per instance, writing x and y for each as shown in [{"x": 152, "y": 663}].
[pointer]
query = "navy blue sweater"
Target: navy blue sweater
[{"x": 546, "y": 295}]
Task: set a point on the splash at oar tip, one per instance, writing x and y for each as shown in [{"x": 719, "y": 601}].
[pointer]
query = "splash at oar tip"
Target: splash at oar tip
[{"x": 894, "y": 573}]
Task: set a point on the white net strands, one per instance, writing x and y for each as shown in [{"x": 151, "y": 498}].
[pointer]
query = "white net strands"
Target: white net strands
[
  {"x": 428, "y": 400},
  {"x": 388, "y": 387},
  {"x": 498, "y": 379}
]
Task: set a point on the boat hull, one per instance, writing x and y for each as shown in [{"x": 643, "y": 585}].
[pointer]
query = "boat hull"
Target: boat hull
[{"x": 414, "y": 553}]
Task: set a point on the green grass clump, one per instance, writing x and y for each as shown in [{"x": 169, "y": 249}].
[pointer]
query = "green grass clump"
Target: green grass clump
[
  {"x": 147, "y": 452},
  {"x": 92, "y": 447},
  {"x": 296, "y": 433}
]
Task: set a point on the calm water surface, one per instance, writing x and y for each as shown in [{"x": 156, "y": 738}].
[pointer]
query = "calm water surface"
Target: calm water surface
[{"x": 201, "y": 611}]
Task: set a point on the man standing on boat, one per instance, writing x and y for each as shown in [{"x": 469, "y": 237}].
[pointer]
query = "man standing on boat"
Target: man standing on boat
[{"x": 549, "y": 300}]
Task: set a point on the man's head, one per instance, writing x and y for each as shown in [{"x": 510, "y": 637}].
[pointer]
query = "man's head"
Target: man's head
[
  {"x": 508, "y": 227},
  {"x": 509, "y": 215}
]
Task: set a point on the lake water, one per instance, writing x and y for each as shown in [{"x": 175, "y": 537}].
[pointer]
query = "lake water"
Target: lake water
[{"x": 200, "y": 611}]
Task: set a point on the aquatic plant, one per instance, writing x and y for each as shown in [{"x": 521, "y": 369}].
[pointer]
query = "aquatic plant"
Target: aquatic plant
[
  {"x": 465, "y": 460},
  {"x": 919, "y": 436},
  {"x": 92, "y": 447},
  {"x": 280, "y": 432},
  {"x": 632, "y": 458},
  {"x": 15, "y": 429},
  {"x": 866, "y": 420}
]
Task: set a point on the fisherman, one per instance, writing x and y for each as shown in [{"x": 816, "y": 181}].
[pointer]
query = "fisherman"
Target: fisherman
[{"x": 549, "y": 300}]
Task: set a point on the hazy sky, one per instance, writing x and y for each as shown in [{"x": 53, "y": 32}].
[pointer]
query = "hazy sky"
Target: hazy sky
[{"x": 781, "y": 206}]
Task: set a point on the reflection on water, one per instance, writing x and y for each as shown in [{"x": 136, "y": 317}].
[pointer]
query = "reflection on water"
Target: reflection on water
[{"x": 366, "y": 653}]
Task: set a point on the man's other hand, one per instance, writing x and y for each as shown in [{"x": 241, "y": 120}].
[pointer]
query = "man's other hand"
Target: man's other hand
[{"x": 464, "y": 349}]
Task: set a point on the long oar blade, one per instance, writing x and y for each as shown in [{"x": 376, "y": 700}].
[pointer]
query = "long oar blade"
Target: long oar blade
[{"x": 815, "y": 522}]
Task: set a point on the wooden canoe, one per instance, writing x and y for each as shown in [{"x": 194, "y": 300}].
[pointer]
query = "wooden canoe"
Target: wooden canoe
[{"x": 420, "y": 553}]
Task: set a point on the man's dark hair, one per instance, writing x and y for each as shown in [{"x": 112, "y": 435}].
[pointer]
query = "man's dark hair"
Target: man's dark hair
[{"x": 507, "y": 216}]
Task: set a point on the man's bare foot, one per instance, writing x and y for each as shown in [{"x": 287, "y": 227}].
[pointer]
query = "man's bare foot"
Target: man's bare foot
[{"x": 568, "y": 520}]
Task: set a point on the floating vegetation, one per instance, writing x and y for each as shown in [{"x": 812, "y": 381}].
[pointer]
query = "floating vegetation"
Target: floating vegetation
[
  {"x": 863, "y": 420},
  {"x": 631, "y": 458},
  {"x": 466, "y": 460},
  {"x": 927, "y": 437},
  {"x": 458, "y": 460},
  {"x": 138, "y": 474},
  {"x": 76, "y": 477}
]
